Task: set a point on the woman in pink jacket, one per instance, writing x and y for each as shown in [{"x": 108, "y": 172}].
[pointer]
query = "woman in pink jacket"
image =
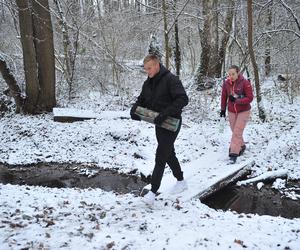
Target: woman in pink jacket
[{"x": 237, "y": 95}]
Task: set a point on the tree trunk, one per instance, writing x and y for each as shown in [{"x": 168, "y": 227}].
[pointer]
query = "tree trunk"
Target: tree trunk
[
  {"x": 225, "y": 38},
  {"x": 45, "y": 54},
  {"x": 14, "y": 89},
  {"x": 29, "y": 56},
  {"x": 2, "y": 18},
  {"x": 38, "y": 55},
  {"x": 177, "y": 51},
  {"x": 261, "y": 111},
  {"x": 205, "y": 38},
  {"x": 166, "y": 35},
  {"x": 214, "y": 41},
  {"x": 268, "y": 41},
  {"x": 69, "y": 54}
]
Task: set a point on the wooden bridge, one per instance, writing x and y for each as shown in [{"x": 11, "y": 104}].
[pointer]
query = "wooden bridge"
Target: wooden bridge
[{"x": 205, "y": 176}]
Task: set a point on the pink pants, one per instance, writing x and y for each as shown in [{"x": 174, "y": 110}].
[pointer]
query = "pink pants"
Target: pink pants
[{"x": 237, "y": 124}]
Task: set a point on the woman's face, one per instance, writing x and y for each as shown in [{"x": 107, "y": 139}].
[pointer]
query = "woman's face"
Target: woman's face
[{"x": 233, "y": 74}]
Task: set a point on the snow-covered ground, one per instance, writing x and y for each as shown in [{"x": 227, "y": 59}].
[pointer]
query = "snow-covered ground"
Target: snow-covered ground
[{"x": 44, "y": 218}]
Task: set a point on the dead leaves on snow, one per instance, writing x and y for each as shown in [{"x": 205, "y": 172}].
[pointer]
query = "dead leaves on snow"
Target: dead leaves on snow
[{"x": 240, "y": 242}]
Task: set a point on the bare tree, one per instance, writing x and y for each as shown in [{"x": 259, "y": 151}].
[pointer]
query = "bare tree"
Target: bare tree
[
  {"x": 154, "y": 46},
  {"x": 205, "y": 38},
  {"x": 290, "y": 10},
  {"x": 70, "y": 48},
  {"x": 213, "y": 50},
  {"x": 108, "y": 39},
  {"x": 214, "y": 40},
  {"x": 261, "y": 111},
  {"x": 166, "y": 34},
  {"x": 177, "y": 51},
  {"x": 38, "y": 55},
  {"x": 225, "y": 38},
  {"x": 44, "y": 54},
  {"x": 268, "y": 40},
  {"x": 29, "y": 55}
]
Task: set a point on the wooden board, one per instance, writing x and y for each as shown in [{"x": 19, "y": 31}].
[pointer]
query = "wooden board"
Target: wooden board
[
  {"x": 204, "y": 176},
  {"x": 72, "y": 115}
]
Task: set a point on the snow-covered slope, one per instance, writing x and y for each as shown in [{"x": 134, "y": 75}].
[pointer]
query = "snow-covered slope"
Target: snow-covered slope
[{"x": 43, "y": 218}]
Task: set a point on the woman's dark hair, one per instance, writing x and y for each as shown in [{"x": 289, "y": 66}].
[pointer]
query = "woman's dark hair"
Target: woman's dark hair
[{"x": 235, "y": 67}]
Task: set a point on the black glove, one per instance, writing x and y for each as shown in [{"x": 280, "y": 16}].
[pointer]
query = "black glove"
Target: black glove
[
  {"x": 133, "y": 115},
  {"x": 223, "y": 113},
  {"x": 160, "y": 119},
  {"x": 232, "y": 98}
]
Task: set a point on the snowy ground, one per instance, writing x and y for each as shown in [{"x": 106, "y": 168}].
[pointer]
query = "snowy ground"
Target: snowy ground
[{"x": 43, "y": 218}]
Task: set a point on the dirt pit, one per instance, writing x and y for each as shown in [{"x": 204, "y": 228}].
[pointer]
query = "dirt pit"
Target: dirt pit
[
  {"x": 242, "y": 199},
  {"x": 266, "y": 201},
  {"x": 69, "y": 176}
]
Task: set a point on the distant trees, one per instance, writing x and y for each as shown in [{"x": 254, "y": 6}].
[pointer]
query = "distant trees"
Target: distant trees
[
  {"x": 154, "y": 46},
  {"x": 70, "y": 47},
  {"x": 98, "y": 44}
]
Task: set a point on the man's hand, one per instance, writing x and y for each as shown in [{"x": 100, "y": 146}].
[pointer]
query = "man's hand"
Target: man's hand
[
  {"x": 133, "y": 115},
  {"x": 160, "y": 119}
]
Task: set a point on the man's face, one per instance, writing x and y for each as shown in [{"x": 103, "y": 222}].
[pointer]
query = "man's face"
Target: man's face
[{"x": 152, "y": 68}]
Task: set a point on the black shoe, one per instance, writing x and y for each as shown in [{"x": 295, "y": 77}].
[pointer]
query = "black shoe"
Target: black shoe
[
  {"x": 232, "y": 158},
  {"x": 242, "y": 150}
]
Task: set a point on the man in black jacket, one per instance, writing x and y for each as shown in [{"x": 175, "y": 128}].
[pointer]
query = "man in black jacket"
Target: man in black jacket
[{"x": 162, "y": 92}]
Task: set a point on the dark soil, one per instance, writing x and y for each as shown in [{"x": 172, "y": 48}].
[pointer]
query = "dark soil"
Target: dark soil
[
  {"x": 244, "y": 199},
  {"x": 248, "y": 199},
  {"x": 70, "y": 175}
]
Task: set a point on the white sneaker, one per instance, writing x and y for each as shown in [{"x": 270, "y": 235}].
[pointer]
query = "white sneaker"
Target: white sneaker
[
  {"x": 179, "y": 187},
  {"x": 149, "y": 198}
]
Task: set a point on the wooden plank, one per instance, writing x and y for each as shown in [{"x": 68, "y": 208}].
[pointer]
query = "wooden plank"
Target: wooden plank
[
  {"x": 232, "y": 178},
  {"x": 205, "y": 176},
  {"x": 70, "y": 118},
  {"x": 72, "y": 115}
]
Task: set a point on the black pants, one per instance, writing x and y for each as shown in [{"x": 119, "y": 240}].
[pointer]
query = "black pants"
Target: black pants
[{"x": 165, "y": 153}]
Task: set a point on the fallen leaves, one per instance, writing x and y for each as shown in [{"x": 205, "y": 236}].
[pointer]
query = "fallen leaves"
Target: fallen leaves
[
  {"x": 110, "y": 245},
  {"x": 49, "y": 223},
  {"x": 240, "y": 242},
  {"x": 17, "y": 225}
]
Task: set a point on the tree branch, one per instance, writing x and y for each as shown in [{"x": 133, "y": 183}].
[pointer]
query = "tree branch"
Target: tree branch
[
  {"x": 289, "y": 9},
  {"x": 180, "y": 12},
  {"x": 280, "y": 30}
]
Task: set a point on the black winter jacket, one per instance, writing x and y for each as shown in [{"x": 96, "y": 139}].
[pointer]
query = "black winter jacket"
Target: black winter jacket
[{"x": 163, "y": 93}]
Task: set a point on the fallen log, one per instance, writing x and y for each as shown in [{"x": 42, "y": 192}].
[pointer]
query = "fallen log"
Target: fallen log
[
  {"x": 268, "y": 176},
  {"x": 72, "y": 115},
  {"x": 148, "y": 115}
]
